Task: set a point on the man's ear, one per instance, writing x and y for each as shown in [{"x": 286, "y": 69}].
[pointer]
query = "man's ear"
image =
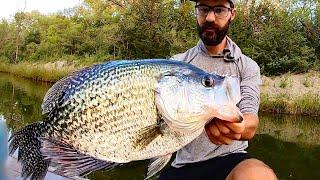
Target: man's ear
[{"x": 233, "y": 14}]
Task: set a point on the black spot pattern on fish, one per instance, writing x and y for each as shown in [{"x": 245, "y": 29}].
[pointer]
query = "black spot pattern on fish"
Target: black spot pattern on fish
[{"x": 67, "y": 86}]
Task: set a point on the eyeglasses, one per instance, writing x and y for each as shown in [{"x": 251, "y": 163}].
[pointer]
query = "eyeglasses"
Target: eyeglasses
[{"x": 219, "y": 11}]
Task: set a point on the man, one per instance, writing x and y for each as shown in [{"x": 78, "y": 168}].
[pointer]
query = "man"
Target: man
[{"x": 219, "y": 153}]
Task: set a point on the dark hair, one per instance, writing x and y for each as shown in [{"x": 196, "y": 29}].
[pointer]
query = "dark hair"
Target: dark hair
[{"x": 231, "y": 4}]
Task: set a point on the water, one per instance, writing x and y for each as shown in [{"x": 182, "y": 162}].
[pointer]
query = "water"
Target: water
[{"x": 290, "y": 145}]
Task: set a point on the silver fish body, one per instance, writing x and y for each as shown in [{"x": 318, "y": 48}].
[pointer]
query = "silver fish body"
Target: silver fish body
[{"x": 124, "y": 111}]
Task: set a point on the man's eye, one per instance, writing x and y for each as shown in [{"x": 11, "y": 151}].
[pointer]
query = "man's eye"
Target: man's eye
[
  {"x": 203, "y": 9},
  {"x": 218, "y": 10}
]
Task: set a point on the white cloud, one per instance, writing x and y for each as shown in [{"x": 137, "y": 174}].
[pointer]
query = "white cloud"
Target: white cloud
[{"x": 9, "y": 7}]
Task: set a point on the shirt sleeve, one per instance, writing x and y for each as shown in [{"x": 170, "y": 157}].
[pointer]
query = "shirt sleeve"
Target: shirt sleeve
[{"x": 249, "y": 87}]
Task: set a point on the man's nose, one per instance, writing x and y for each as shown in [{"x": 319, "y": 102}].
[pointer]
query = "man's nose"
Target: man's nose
[{"x": 211, "y": 17}]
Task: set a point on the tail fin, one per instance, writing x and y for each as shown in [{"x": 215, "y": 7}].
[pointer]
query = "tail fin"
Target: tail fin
[{"x": 26, "y": 139}]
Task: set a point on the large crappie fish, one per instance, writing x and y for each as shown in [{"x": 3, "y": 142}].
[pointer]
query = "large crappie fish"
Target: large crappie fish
[{"x": 123, "y": 111}]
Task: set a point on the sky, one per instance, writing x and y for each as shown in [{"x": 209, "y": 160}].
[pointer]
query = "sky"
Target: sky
[{"x": 9, "y": 7}]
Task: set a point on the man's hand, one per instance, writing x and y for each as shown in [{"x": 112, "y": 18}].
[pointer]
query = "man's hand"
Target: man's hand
[{"x": 224, "y": 132}]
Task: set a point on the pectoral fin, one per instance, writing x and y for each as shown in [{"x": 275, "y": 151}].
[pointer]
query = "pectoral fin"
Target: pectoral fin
[
  {"x": 156, "y": 164},
  {"x": 146, "y": 135}
]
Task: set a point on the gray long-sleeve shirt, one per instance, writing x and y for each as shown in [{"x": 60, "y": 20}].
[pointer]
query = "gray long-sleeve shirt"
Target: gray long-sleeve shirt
[{"x": 233, "y": 63}]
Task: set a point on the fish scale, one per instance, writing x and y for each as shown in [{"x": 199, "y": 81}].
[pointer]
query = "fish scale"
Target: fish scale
[{"x": 134, "y": 117}]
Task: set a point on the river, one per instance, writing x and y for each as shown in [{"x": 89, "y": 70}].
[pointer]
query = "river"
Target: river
[{"x": 288, "y": 144}]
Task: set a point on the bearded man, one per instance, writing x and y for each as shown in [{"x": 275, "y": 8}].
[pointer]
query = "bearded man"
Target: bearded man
[{"x": 219, "y": 153}]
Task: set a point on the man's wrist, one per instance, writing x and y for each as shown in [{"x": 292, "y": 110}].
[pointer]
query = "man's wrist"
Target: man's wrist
[{"x": 251, "y": 122}]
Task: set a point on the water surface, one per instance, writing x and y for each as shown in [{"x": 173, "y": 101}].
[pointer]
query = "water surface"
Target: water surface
[{"x": 289, "y": 144}]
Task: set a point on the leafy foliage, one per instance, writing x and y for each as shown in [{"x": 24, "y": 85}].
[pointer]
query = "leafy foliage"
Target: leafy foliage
[{"x": 281, "y": 36}]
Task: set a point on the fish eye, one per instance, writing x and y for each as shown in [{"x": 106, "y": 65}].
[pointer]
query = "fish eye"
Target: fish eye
[{"x": 208, "y": 81}]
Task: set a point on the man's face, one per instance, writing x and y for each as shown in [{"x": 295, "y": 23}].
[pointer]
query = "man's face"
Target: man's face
[{"x": 213, "y": 29}]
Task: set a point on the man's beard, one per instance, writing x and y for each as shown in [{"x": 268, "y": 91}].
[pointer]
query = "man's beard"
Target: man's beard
[{"x": 215, "y": 36}]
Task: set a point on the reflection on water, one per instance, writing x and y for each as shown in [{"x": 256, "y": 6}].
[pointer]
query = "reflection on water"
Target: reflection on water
[
  {"x": 20, "y": 100},
  {"x": 288, "y": 160},
  {"x": 301, "y": 130},
  {"x": 290, "y": 145}
]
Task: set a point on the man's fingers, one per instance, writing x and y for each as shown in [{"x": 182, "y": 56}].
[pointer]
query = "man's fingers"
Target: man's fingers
[
  {"x": 222, "y": 132},
  {"x": 237, "y": 128},
  {"x": 234, "y": 136},
  {"x": 226, "y": 127},
  {"x": 223, "y": 128},
  {"x": 224, "y": 139},
  {"x": 215, "y": 136},
  {"x": 212, "y": 127},
  {"x": 212, "y": 138}
]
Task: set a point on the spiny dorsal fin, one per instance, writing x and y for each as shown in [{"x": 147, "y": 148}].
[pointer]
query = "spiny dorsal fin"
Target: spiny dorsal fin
[
  {"x": 156, "y": 164},
  {"x": 69, "y": 162}
]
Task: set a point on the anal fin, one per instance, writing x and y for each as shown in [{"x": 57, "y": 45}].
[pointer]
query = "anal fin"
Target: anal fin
[
  {"x": 69, "y": 162},
  {"x": 156, "y": 164}
]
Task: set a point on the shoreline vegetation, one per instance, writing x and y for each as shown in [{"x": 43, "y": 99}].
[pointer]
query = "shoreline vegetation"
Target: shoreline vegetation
[
  {"x": 296, "y": 94},
  {"x": 290, "y": 93},
  {"x": 45, "y": 72}
]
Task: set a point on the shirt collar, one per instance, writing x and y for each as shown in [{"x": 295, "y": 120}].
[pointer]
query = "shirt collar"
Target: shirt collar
[{"x": 227, "y": 54}]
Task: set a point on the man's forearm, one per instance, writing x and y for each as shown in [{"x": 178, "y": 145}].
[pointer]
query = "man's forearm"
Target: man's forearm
[{"x": 251, "y": 122}]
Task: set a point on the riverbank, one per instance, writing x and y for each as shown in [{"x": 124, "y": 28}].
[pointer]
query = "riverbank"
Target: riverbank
[
  {"x": 287, "y": 94},
  {"x": 291, "y": 94},
  {"x": 46, "y": 72}
]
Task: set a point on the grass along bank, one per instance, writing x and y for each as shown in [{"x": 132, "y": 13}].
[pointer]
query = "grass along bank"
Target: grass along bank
[
  {"x": 48, "y": 72},
  {"x": 291, "y": 94}
]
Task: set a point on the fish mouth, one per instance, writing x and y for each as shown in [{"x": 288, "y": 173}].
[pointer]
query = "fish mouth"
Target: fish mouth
[{"x": 229, "y": 113}]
